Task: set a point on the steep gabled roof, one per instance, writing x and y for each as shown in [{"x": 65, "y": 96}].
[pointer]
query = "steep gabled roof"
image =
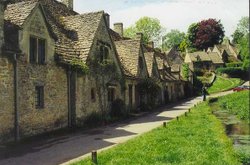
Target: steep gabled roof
[
  {"x": 128, "y": 51},
  {"x": 149, "y": 57},
  {"x": 85, "y": 27},
  {"x": 215, "y": 57},
  {"x": 199, "y": 56},
  {"x": 18, "y": 13}
]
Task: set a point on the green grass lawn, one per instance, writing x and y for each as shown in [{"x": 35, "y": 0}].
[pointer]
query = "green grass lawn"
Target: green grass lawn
[
  {"x": 223, "y": 84},
  {"x": 196, "y": 139},
  {"x": 236, "y": 103}
]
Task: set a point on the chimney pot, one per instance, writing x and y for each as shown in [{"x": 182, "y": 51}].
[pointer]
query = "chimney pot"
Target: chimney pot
[
  {"x": 118, "y": 28},
  {"x": 107, "y": 18},
  {"x": 139, "y": 36}
]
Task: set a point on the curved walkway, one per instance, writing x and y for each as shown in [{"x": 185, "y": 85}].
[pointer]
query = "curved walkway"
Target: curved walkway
[{"x": 72, "y": 147}]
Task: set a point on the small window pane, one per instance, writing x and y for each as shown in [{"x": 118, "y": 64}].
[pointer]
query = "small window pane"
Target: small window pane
[
  {"x": 93, "y": 94},
  {"x": 41, "y": 51},
  {"x": 33, "y": 49},
  {"x": 39, "y": 98}
]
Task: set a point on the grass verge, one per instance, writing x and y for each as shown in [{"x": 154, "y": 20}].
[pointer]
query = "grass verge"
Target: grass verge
[
  {"x": 196, "y": 139},
  {"x": 223, "y": 84},
  {"x": 237, "y": 104}
]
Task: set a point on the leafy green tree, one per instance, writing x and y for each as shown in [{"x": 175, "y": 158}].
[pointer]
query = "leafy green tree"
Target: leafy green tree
[
  {"x": 241, "y": 39},
  {"x": 173, "y": 39},
  {"x": 150, "y": 27}
]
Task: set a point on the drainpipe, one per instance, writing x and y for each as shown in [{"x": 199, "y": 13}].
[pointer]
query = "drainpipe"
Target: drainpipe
[
  {"x": 69, "y": 97},
  {"x": 16, "y": 122}
]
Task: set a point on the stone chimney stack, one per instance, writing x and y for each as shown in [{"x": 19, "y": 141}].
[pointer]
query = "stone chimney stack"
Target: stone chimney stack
[
  {"x": 139, "y": 36},
  {"x": 118, "y": 28},
  {"x": 1, "y": 26},
  {"x": 69, "y": 3},
  {"x": 107, "y": 18}
]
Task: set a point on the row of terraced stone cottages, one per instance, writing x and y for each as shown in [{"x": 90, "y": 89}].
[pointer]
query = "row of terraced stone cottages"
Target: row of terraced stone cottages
[{"x": 58, "y": 67}]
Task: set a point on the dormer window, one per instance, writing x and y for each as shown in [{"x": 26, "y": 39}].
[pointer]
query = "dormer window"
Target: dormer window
[
  {"x": 37, "y": 50},
  {"x": 104, "y": 52}
]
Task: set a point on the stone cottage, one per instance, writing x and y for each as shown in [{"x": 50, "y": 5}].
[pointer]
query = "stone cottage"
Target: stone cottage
[
  {"x": 51, "y": 64},
  {"x": 131, "y": 55},
  {"x": 204, "y": 60},
  {"x": 58, "y": 67}
]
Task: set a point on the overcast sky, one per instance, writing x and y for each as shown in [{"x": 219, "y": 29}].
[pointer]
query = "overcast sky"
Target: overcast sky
[{"x": 173, "y": 14}]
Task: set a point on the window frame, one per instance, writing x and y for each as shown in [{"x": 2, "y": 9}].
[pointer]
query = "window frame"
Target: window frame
[
  {"x": 39, "y": 97},
  {"x": 35, "y": 55},
  {"x": 93, "y": 94}
]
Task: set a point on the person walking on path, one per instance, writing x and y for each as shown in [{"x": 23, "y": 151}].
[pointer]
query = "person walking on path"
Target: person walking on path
[{"x": 204, "y": 92}]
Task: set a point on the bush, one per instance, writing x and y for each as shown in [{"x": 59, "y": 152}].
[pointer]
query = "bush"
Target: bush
[
  {"x": 234, "y": 64},
  {"x": 232, "y": 71},
  {"x": 212, "y": 100},
  {"x": 118, "y": 108}
]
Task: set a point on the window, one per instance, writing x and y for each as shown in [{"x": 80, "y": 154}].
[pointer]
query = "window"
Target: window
[
  {"x": 140, "y": 63},
  {"x": 104, "y": 52},
  {"x": 111, "y": 94},
  {"x": 33, "y": 50},
  {"x": 39, "y": 98},
  {"x": 93, "y": 94},
  {"x": 37, "y": 50}
]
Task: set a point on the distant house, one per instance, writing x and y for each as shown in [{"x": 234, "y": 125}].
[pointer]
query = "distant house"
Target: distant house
[
  {"x": 203, "y": 60},
  {"x": 227, "y": 51}
]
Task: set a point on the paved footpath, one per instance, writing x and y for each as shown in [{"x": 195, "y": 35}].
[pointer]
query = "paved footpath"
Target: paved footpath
[{"x": 74, "y": 146}]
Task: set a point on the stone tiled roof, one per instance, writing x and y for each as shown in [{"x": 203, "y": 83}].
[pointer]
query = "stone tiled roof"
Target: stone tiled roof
[
  {"x": 85, "y": 26},
  {"x": 176, "y": 68},
  {"x": 128, "y": 52},
  {"x": 196, "y": 56},
  {"x": 149, "y": 57},
  {"x": 17, "y": 13},
  {"x": 215, "y": 57},
  {"x": 74, "y": 32},
  {"x": 174, "y": 57}
]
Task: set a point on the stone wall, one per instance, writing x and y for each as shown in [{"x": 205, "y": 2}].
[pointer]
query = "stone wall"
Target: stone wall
[
  {"x": 54, "y": 115},
  {"x": 6, "y": 99},
  {"x": 85, "y": 83}
]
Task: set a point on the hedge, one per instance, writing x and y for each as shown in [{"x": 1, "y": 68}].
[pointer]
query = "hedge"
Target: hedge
[{"x": 236, "y": 72}]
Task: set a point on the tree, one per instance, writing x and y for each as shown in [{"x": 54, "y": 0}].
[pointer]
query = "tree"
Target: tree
[
  {"x": 173, "y": 39},
  {"x": 150, "y": 27},
  {"x": 241, "y": 30},
  {"x": 205, "y": 34},
  {"x": 241, "y": 39}
]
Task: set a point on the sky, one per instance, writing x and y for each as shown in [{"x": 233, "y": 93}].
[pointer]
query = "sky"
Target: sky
[{"x": 173, "y": 14}]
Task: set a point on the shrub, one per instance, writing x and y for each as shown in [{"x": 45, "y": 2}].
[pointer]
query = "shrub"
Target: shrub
[
  {"x": 232, "y": 71},
  {"x": 213, "y": 99},
  {"x": 234, "y": 64},
  {"x": 118, "y": 108}
]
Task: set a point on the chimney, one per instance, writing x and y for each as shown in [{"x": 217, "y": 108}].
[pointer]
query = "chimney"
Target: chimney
[
  {"x": 151, "y": 44},
  {"x": 107, "y": 18},
  {"x": 68, "y": 3},
  {"x": 118, "y": 28},
  {"x": 139, "y": 36},
  {"x": 1, "y": 26}
]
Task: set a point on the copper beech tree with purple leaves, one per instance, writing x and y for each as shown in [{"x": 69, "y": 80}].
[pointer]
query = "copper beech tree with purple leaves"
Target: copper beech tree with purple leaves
[{"x": 205, "y": 34}]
